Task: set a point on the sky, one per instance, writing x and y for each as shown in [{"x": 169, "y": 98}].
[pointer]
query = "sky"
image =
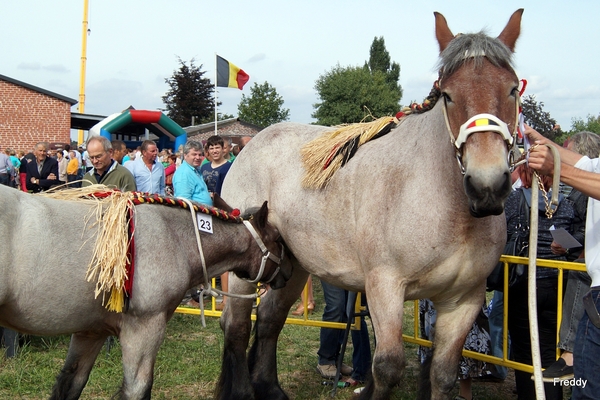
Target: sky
[{"x": 134, "y": 45}]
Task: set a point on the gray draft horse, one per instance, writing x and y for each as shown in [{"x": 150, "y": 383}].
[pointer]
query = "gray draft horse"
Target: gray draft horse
[
  {"x": 44, "y": 256},
  {"x": 401, "y": 220}
]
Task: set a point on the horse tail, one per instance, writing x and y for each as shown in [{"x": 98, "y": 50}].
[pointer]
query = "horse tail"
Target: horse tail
[
  {"x": 226, "y": 387},
  {"x": 424, "y": 382}
]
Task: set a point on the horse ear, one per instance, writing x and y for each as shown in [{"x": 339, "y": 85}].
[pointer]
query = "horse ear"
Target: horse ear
[
  {"x": 218, "y": 202},
  {"x": 262, "y": 216},
  {"x": 511, "y": 32},
  {"x": 442, "y": 32}
]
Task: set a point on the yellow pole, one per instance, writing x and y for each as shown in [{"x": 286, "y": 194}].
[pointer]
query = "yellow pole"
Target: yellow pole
[{"x": 84, "y": 33}]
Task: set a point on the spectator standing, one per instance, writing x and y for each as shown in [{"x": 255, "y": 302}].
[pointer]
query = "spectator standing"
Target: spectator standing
[
  {"x": 148, "y": 172},
  {"x": 6, "y": 169},
  {"x": 73, "y": 169},
  {"x": 25, "y": 159},
  {"x": 546, "y": 282},
  {"x": 119, "y": 151},
  {"x": 62, "y": 167},
  {"x": 337, "y": 309},
  {"x": 43, "y": 172},
  {"x": 169, "y": 172},
  {"x": 187, "y": 180},
  {"x": 578, "y": 283},
  {"x": 106, "y": 170},
  {"x": 581, "y": 173},
  {"x": 214, "y": 173}
]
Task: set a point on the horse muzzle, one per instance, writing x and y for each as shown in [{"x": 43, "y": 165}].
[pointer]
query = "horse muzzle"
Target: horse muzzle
[{"x": 487, "y": 196}]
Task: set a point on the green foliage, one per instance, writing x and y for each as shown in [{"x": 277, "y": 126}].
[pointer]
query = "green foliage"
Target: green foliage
[
  {"x": 379, "y": 60},
  {"x": 264, "y": 107},
  {"x": 539, "y": 119},
  {"x": 592, "y": 124},
  {"x": 191, "y": 95},
  {"x": 350, "y": 94}
]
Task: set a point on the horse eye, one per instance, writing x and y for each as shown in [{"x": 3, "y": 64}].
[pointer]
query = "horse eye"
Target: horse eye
[
  {"x": 515, "y": 91},
  {"x": 447, "y": 97}
]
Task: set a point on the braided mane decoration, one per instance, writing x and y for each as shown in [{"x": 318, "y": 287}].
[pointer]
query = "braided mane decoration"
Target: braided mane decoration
[
  {"x": 147, "y": 198},
  {"x": 114, "y": 251},
  {"x": 323, "y": 156}
]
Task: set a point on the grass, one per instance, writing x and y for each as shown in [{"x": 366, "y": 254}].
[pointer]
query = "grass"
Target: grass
[{"x": 188, "y": 365}]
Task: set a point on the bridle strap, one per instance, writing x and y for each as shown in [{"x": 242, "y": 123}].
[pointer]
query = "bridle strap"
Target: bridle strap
[
  {"x": 267, "y": 255},
  {"x": 485, "y": 123}
]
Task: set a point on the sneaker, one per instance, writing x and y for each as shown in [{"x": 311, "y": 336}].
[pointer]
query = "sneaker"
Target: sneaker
[
  {"x": 328, "y": 371},
  {"x": 559, "y": 370}
]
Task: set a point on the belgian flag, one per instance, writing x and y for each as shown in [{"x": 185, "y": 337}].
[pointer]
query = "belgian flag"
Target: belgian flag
[{"x": 228, "y": 75}]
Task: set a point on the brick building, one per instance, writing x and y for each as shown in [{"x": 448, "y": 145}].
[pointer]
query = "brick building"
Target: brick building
[{"x": 29, "y": 114}]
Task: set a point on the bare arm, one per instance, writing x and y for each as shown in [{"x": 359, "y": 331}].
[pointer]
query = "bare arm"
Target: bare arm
[{"x": 541, "y": 160}]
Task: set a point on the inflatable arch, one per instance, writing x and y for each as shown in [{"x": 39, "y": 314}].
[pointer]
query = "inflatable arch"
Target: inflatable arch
[{"x": 145, "y": 117}]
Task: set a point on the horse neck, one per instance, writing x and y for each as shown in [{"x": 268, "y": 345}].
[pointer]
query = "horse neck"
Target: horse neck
[{"x": 224, "y": 250}]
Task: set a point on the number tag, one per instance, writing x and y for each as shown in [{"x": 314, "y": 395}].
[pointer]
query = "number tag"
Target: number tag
[{"x": 205, "y": 223}]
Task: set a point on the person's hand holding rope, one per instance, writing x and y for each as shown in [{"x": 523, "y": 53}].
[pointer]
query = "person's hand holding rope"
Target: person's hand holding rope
[{"x": 540, "y": 156}]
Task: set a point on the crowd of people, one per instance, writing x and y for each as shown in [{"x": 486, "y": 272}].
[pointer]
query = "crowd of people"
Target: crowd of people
[{"x": 195, "y": 172}]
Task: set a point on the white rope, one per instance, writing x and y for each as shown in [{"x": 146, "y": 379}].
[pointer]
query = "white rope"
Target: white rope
[
  {"x": 531, "y": 284},
  {"x": 207, "y": 289}
]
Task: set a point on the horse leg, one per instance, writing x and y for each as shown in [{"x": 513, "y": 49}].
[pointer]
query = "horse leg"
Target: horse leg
[
  {"x": 83, "y": 350},
  {"x": 386, "y": 314},
  {"x": 234, "y": 381},
  {"x": 452, "y": 327},
  {"x": 140, "y": 340},
  {"x": 270, "y": 319}
]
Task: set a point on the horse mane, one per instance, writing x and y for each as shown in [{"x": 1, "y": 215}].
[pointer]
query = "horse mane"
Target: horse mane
[
  {"x": 468, "y": 46},
  {"x": 474, "y": 46}
]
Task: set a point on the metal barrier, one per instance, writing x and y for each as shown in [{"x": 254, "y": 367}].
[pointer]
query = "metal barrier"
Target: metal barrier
[{"x": 504, "y": 361}]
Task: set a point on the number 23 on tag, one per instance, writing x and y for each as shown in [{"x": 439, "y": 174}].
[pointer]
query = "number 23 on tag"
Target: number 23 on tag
[{"x": 205, "y": 223}]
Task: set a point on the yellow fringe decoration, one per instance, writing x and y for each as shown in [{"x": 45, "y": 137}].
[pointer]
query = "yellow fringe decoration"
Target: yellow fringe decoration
[
  {"x": 317, "y": 154},
  {"x": 109, "y": 257}
]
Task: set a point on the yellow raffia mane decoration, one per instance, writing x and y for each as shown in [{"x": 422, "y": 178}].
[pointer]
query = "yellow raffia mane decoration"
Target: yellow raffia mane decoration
[
  {"x": 319, "y": 155},
  {"x": 109, "y": 258}
]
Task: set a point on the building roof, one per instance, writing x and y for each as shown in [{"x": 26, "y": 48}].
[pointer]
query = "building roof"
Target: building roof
[
  {"x": 210, "y": 126},
  {"x": 39, "y": 90}
]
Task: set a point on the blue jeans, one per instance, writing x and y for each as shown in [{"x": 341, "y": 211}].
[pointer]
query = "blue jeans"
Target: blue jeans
[
  {"x": 578, "y": 284},
  {"x": 337, "y": 309},
  {"x": 495, "y": 322},
  {"x": 4, "y": 179},
  {"x": 586, "y": 355}
]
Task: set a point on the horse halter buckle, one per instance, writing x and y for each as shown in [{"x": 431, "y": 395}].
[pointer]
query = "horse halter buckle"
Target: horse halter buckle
[{"x": 267, "y": 255}]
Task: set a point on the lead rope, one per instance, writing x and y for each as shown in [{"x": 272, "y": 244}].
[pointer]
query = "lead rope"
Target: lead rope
[
  {"x": 531, "y": 288},
  {"x": 207, "y": 289}
]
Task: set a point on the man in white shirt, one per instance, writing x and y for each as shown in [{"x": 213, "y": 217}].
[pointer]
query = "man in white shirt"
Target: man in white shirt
[{"x": 583, "y": 174}]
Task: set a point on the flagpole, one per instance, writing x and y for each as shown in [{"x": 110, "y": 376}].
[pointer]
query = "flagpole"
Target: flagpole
[
  {"x": 216, "y": 93},
  {"x": 81, "y": 107}
]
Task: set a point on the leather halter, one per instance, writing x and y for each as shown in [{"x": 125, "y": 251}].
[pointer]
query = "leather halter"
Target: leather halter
[
  {"x": 267, "y": 255},
  {"x": 485, "y": 123}
]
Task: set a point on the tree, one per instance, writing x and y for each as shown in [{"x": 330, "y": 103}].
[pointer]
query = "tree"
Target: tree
[
  {"x": 379, "y": 60},
  {"x": 351, "y": 93},
  {"x": 592, "y": 124},
  {"x": 539, "y": 119},
  {"x": 191, "y": 95},
  {"x": 264, "y": 107}
]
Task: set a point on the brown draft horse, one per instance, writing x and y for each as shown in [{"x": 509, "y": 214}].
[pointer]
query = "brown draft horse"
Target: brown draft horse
[{"x": 410, "y": 225}]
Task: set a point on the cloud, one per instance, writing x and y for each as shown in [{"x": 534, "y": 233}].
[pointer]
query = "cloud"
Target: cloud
[
  {"x": 257, "y": 58},
  {"x": 56, "y": 68},
  {"x": 30, "y": 66}
]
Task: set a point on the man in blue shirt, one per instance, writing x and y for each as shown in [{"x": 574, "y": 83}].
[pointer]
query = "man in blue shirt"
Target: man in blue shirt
[
  {"x": 214, "y": 172},
  {"x": 187, "y": 180},
  {"x": 149, "y": 174}
]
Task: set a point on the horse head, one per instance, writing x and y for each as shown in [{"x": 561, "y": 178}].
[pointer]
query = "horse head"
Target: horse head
[
  {"x": 273, "y": 269},
  {"x": 480, "y": 93}
]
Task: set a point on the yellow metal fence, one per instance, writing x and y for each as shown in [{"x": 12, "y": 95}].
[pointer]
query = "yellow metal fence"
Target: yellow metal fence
[{"x": 504, "y": 361}]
